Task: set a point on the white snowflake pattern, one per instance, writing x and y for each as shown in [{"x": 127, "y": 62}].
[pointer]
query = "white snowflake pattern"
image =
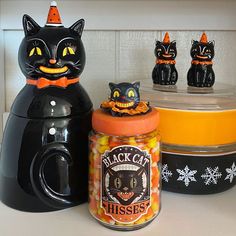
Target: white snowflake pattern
[
  {"x": 165, "y": 173},
  {"x": 231, "y": 172},
  {"x": 211, "y": 175},
  {"x": 186, "y": 175}
]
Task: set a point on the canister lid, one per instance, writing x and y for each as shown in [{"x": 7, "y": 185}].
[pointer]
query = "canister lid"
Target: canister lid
[
  {"x": 219, "y": 97},
  {"x": 126, "y": 125}
]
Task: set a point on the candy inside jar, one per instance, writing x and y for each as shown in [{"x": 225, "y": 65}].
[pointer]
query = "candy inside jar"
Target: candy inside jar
[{"x": 124, "y": 168}]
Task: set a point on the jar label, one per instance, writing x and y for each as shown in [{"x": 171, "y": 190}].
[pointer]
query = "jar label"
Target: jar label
[{"x": 125, "y": 186}]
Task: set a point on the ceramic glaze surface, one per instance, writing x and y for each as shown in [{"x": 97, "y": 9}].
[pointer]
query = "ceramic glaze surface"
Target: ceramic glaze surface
[{"x": 44, "y": 158}]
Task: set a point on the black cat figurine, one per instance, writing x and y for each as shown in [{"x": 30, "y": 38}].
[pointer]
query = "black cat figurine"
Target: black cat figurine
[
  {"x": 164, "y": 72},
  {"x": 44, "y": 156},
  {"x": 201, "y": 73},
  {"x": 125, "y": 100}
]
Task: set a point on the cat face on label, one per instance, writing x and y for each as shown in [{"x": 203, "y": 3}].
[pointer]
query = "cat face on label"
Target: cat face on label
[
  {"x": 125, "y": 95},
  {"x": 51, "y": 52},
  {"x": 126, "y": 185},
  {"x": 166, "y": 51},
  {"x": 202, "y": 51}
]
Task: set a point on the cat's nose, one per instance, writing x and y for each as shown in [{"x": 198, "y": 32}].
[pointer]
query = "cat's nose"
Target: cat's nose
[
  {"x": 52, "y": 61},
  {"x": 125, "y": 188}
]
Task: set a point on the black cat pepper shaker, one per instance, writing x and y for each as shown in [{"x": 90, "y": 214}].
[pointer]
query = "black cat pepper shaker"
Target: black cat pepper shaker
[
  {"x": 201, "y": 73},
  {"x": 164, "y": 72},
  {"x": 44, "y": 155},
  {"x": 124, "y": 164}
]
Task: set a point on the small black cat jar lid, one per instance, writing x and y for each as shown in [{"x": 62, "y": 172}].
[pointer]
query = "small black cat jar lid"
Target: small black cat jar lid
[{"x": 124, "y": 114}]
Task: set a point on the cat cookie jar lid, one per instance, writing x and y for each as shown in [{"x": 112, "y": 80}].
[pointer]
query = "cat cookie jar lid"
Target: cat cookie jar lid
[{"x": 124, "y": 114}]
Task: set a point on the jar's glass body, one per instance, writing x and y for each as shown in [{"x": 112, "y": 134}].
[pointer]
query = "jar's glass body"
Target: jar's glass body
[{"x": 124, "y": 179}]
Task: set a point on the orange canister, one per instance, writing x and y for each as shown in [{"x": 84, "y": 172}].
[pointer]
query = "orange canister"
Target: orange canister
[
  {"x": 198, "y": 131},
  {"x": 124, "y": 168}
]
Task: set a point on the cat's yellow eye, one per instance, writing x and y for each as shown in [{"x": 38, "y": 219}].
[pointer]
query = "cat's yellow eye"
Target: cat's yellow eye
[
  {"x": 133, "y": 182},
  {"x": 68, "y": 50},
  {"x": 35, "y": 50},
  {"x": 131, "y": 94},
  {"x": 39, "y": 51},
  {"x": 116, "y": 94},
  {"x": 117, "y": 182},
  {"x": 71, "y": 50}
]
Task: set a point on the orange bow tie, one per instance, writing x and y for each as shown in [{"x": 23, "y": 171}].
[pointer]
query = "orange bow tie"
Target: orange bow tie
[
  {"x": 43, "y": 82},
  {"x": 160, "y": 61}
]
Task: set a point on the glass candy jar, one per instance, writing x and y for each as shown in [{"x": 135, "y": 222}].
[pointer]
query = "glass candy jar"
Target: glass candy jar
[{"x": 124, "y": 170}]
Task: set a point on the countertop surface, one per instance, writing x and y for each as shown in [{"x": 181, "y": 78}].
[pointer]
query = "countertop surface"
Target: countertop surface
[{"x": 181, "y": 215}]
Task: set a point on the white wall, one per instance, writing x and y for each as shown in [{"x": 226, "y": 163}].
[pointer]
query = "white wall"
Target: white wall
[{"x": 119, "y": 39}]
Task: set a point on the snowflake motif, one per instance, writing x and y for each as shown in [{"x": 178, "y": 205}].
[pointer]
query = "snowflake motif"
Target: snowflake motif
[
  {"x": 186, "y": 175},
  {"x": 165, "y": 173},
  {"x": 211, "y": 175},
  {"x": 231, "y": 173}
]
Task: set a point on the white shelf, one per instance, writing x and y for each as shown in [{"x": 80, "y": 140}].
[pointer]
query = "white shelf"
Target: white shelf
[{"x": 195, "y": 215}]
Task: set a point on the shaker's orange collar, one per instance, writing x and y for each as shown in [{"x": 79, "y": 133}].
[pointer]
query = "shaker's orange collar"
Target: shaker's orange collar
[
  {"x": 196, "y": 62},
  {"x": 63, "y": 82},
  {"x": 160, "y": 61}
]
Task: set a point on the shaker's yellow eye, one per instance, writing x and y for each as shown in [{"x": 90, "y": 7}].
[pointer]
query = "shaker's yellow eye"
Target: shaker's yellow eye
[
  {"x": 116, "y": 94},
  {"x": 131, "y": 93},
  {"x": 35, "y": 50},
  {"x": 68, "y": 50}
]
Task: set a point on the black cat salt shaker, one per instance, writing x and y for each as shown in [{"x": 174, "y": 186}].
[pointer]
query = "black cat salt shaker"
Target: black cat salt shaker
[
  {"x": 201, "y": 73},
  {"x": 164, "y": 72},
  {"x": 44, "y": 157},
  {"x": 124, "y": 164}
]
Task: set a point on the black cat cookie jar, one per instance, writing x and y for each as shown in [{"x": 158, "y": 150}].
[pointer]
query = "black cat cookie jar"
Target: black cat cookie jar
[
  {"x": 44, "y": 157},
  {"x": 164, "y": 72},
  {"x": 124, "y": 162}
]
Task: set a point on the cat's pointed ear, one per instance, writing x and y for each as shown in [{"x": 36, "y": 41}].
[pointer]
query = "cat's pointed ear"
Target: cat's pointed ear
[
  {"x": 112, "y": 86},
  {"x": 111, "y": 172},
  {"x": 173, "y": 43},
  {"x": 78, "y": 27},
  {"x": 30, "y": 26},
  {"x": 158, "y": 42},
  {"x": 140, "y": 172},
  {"x": 136, "y": 85},
  {"x": 212, "y": 42},
  {"x": 194, "y": 42}
]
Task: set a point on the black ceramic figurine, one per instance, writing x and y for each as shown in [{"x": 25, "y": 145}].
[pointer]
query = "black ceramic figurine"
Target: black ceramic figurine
[
  {"x": 44, "y": 157},
  {"x": 125, "y": 100},
  {"x": 164, "y": 72},
  {"x": 201, "y": 73}
]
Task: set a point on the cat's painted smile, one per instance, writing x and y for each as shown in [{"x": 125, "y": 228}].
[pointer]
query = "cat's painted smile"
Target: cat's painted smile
[
  {"x": 124, "y": 104},
  {"x": 53, "y": 70},
  {"x": 202, "y": 57},
  {"x": 167, "y": 55},
  {"x": 125, "y": 196}
]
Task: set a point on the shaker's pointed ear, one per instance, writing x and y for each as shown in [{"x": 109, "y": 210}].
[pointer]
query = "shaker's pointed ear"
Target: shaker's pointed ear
[
  {"x": 112, "y": 86},
  {"x": 173, "y": 43},
  {"x": 78, "y": 27},
  {"x": 212, "y": 42},
  {"x": 30, "y": 26},
  {"x": 136, "y": 85},
  {"x": 158, "y": 42},
  {"x": 194, "y": 41}
]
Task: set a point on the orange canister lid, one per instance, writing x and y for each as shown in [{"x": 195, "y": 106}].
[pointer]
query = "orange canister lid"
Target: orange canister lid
[{"x": 125, "y": 125}]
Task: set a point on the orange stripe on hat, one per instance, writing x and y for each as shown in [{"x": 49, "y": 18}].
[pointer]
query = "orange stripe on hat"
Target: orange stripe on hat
[
  {"x": 204, "y": 38},
  {"x": 54, "y": 18},
  {"x": 166, "y": 38}
]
